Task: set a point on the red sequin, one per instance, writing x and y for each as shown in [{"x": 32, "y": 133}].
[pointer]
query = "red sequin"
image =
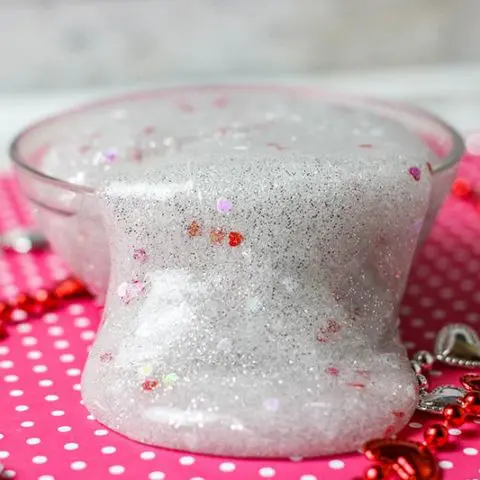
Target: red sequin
[
  {"x": 415, "y": 173},
  {"x": 220, "y": 102},
  {"x": 333, "y": 371},
  {"x": 235, "y": 239},
  {"x": 149, "y": 385},
  {"x": 398, "y": 414},
  {"x": 106, "y": 357},
  {"x": 365, "y": 145},
  {"x": 277, "y": 146},
  {"x": 356, "y": 385},
  {"x": 194, "y": 229},
  {"x": 217, "y": 236},
  {"x": 462, "y": 188}
]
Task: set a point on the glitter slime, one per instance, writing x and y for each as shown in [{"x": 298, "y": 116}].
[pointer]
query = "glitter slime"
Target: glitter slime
[{"x": 259, "y": 242}]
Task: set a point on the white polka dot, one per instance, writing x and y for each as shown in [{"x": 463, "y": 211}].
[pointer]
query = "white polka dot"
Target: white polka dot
[
  {"x": 336, "y": 464},
  {"x": 439, "y": 314},
  {"x": 187, "y": 460},
  {"x": 409, "y": 345},
  {"x": 472, "y": 317},
  {"x": 58, "y": 413},
  {"x": 308, "y": 477},
  {"x": 78, "y": 465},
  {"x": 50, "y": 318},
  {"x": 10, "y": 378},
  {"x": 147, "y": 455},
  {"x": 101, "y": 432},
  {"x": 21, "y": 408},
  {"x": 4, "y": 454},
  {"x": 415, "y": 425},
  {"x": 70, "y": 446},
  {"x": 67, "y": 358},
  {"x": 455, "y": 431},
  {"x": 4, "y": 350},
  {"x": 470, "y": 451},
  {"x": 45, "y": 382},
  {"x": 430, "y": 335},
  {"x": 9, "y": 474},
  {"x": 77, "y": 387},
  {"x": 51, "y": 398},
  {"x": 197, "y": 478},
  {"x": 33, "y": 441},
  {"x": 61, "y": 344},
  {"x": 40, "y": 368},
  {"x": 6, "y": 364},
  {"x": 76, "y": 309},
  {"x": 227, "y": 467},
  {"x": 108, "y": 450},
  {"x": 24, "y": 328},
  {"x": 435, "y": 373},
  {"x": 39, "y": 460},
  {"x": 16, "y": 393},
  {"x": 116, "y": 469},
  {"x": 90, "y": 417},
  {"x": 46, "y": 477},
  {"x": 87, "y": 335},
  {"x": 34, "y": 355},
  {"x": 445, "y": 464},
  {"x": 27, "y": 424},
  {"x": 81, "y": 322},
  {"x": 156, "y": 476},
  {"x": 64, "y": 428},
  {"x": 266, "y": 472},
  {"x": 417, "y": 322},
  {"x": 29, "y": 341},
  {"x": 18, "y": 315},
  {"x": 1, "y": 436},
  {"x": 55, "y": 331},
  {"x": 73, "y": 372}
]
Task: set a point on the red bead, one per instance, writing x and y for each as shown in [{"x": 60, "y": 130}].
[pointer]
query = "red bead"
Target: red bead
[
  {"x": 46, "y": 301},
  {"x": 461, "y": 188},
  {"x": 3, "y": 330},
  {"x": 376, "y": 472},
  {"x": 5, "y": 311},
  {"x": 436, "y": 435},
  {"x": 235, "y": 239},
  {"x": 70, "y": 288},
  {"x": 471, "y": 403},
  {"x": 24, "y": 302},
  {"x": 454, "y": 415}
]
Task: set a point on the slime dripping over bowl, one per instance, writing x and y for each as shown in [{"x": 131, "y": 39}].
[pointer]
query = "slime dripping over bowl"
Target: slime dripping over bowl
[
  {"x": 260, "y": 240},
  {"x": 88, "y": 140}
]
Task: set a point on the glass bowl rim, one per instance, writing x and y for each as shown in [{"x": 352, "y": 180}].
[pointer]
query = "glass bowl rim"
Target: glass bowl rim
[{"x": 454, "y": 155}]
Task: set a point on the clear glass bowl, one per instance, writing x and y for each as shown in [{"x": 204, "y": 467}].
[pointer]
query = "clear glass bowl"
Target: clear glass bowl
[{"x": 59, "y": 204}]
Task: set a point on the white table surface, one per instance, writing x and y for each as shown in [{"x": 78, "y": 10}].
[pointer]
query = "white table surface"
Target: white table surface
[{"x": 452, "y": 92}]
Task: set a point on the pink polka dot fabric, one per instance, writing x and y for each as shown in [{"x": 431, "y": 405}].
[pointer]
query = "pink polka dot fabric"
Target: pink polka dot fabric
[{"x": 46, "y": 433}]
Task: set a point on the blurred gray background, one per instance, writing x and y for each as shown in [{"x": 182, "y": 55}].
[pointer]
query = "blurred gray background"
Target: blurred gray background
[{"x": 53, "y": 44}]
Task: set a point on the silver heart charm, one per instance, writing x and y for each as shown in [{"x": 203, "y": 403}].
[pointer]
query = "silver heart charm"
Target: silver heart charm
[
  {"x": 458, "y": 345},
  {"x": 436, "y": 400}
]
